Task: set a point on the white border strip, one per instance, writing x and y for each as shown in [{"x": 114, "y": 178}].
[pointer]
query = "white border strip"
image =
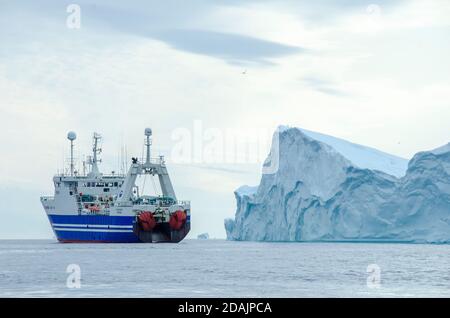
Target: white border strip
[
  {"x": 91, "y": 230},
  {"x": 93, "y": 225}
]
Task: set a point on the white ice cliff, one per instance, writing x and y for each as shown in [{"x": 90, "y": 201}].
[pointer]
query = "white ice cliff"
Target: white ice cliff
[{"x": 327, "y": 189}]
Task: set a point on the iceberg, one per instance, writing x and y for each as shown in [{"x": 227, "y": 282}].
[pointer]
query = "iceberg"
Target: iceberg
[
  {"x": 362, "y": 156},
  {"x": 203, "y": 236},
  {"x": 328, "y": 189}
]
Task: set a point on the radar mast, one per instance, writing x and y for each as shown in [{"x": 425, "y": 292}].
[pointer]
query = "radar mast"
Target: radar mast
[
  {"x": 71, "y": 136},
  {"x": 94, "y": 159},
  {"x": 148, "y": 143}
]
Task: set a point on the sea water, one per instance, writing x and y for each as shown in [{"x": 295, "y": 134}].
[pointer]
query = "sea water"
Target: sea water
[{"x": 219, "y": 268}]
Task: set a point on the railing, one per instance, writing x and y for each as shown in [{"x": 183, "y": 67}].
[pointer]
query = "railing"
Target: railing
[
  {"x": 163, "y": 204},
  {"x": 156, "y": 161},
  {"x": 82, "y": 175}
]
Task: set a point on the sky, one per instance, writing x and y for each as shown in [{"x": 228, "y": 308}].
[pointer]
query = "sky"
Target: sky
[{"x": 375, "y": 73}]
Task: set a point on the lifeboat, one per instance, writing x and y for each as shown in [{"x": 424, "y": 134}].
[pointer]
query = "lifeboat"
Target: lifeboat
[
  {"x": 177, "y": 219},
  {"x": 94, "y": 208},
  {"x": 147, "y": 221}
]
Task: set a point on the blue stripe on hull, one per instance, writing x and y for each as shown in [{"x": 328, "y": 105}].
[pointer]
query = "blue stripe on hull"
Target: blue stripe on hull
[
  {"x": 91, "y": 219},
  {"x": 77, "y": 236},
  {"x": 100, "y": 235}
]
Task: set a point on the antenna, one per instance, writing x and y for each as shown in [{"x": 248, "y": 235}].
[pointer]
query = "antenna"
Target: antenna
[
  {"x": 122, "y": 159},
  {"x": 71, "y": 136},
  {"x": 84, "y": 167},
  {"x": 148, "y": 133},
  {"x": 126, "y": 156}
]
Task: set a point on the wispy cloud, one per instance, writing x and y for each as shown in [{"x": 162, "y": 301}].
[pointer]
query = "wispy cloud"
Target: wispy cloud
[
  {"x": 323, "y": 86},
  {"x": 175, "y": 31},
  {"x": 230, "y": 47}
]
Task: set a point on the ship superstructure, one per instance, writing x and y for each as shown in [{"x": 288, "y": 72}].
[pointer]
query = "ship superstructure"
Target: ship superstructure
[{"x": 93, "y": 207}]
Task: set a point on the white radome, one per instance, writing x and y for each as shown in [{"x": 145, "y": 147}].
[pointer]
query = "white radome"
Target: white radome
[{"x": 71, "y": 135}]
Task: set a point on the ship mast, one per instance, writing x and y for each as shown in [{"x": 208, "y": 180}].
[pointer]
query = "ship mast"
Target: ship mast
[
  {"x": 71, "y": 136},
  {"x": 94, "y": 160},
  {"x": 148, "y": 133}
]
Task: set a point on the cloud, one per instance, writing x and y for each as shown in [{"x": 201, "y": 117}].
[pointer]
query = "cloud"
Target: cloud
[
  {"x": 175, "y": 31},
  {"x": 230, "y": 47},
  {"x": 323, "y": 86}
]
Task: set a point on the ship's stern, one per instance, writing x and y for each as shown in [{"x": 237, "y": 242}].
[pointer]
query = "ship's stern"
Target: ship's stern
[{"x": 171, "y": 226}]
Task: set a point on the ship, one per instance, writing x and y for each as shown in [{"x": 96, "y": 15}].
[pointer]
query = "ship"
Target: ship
[{"x": 108, "y": 208}]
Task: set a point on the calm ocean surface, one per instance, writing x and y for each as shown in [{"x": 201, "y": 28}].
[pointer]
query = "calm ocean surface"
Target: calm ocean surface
[{"x": 195, "y": 268}]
